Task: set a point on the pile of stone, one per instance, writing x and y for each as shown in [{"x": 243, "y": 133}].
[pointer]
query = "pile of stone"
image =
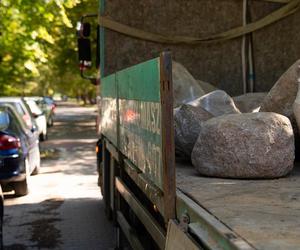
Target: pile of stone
[
  {"x": 250, "y": 102},
  {"x": 185, "y": 86},
  {"x": 189, "y": 117},
  {"x": 282, "y": 96},
  {"x": 249, "y": 136}
]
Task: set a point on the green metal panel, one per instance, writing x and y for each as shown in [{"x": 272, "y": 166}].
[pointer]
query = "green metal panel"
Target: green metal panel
[
  {"x": 109, "y": 86},
  {"x": 109, "y": 110},
  {"x": 140, "y": 117},
  {"x": 140, "y": 82},
  {"x": 131, "y": 116}
]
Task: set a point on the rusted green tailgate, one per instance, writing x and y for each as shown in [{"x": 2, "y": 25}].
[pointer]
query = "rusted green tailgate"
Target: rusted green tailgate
[{"x": 137, "y": 117}]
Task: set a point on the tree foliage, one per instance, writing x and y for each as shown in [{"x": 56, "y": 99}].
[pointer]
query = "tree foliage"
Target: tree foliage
[{"x": 38, "y": 46}]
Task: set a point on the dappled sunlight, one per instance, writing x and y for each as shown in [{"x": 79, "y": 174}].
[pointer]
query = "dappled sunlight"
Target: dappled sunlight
[
  {"x": 56, "y": 223},
  {"x": 68, "y": 169}
]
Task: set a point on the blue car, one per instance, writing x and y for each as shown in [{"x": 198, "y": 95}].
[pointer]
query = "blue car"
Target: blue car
[{"x": 19, "y": 151}]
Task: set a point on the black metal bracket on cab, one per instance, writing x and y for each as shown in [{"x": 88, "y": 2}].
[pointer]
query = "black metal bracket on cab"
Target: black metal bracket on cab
[{"x": 84, "y": 48}]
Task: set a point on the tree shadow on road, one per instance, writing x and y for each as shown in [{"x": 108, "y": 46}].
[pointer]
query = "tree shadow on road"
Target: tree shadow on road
[{"x": 58, "y": 224}]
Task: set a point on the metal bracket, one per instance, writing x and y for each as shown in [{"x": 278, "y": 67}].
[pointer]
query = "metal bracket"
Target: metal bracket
[{"x": 184, "y": 222}]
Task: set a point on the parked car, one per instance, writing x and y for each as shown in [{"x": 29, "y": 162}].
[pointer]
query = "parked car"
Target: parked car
[
  {"x": 51, "y": 106},
  {"x": 1, "y": 217},
  {"x": 19, "y": 150},
  {"x": 47, "y": 105},
  {"x": 23, "y": 110},
  {"x": 39, "y": 117}
]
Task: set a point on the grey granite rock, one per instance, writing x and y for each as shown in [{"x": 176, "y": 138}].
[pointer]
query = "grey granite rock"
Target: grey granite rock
[
  {"x": 249, "y": 102},
  {"x": 296, "y": 107},
  {"x": 281, "y": 97},
  {"x": 250, "y": 145},
  {"x": 207, "y": 87},
  {"x": 187, "y": 121},
  {"x": 217, "y": 103},
  {"x": 185, "y": 86}
]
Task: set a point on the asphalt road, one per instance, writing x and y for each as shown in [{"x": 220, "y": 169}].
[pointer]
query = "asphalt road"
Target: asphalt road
[{"x": 64, "y": 209}]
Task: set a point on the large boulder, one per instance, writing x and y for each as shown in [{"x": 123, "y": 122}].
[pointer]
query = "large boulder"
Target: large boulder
[
  {"x": 281, "y": 97},
  {"x": 249, "y": 102},
  {"x": 187, "y": 122},
  {"x": 217, "y": 103},
  {"x": 207, "y": 87},
  {"x": 251, "y": 145},
  {"x": 185, "y": 86}
]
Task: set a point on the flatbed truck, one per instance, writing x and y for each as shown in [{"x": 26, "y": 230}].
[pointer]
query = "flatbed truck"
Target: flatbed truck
[{"x": 154, "y": 201}]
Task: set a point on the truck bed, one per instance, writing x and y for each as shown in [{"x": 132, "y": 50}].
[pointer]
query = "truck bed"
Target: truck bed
[{"x": 265, "y": 213}]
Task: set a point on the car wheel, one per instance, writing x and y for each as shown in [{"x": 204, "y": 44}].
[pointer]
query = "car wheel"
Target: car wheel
[
  {"x": 37, "y": 167},
  {"x": 36, "y": 170},
  {"x": 1, "y": 218},
  {"x": 43, "y": 137},
  {"x": 50, "y": 121},
  {"x": 22, "y": 187}
]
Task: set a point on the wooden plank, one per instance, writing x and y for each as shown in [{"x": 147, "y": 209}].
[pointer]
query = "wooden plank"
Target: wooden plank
[
  {"x": 178, "y": 240},
  {"x": 167, "y": 134},
  {"x": 263, "y": 212},
  {"x": 144, "y": 216},
  {"x": 129, "y": 232}
]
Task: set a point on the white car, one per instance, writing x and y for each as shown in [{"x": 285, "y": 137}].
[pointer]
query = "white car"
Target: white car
[{"x": 39, "y": 117}]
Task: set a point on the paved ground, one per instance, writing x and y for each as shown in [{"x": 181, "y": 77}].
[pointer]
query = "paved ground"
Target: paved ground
[{"x": 64, "y": 209}]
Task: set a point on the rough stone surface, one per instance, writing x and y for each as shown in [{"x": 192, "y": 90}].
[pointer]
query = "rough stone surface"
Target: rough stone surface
[
  {"x": 251, "y": 145},
  {"x": 217, "y": 103},
  {"x": 281, "y": 97},
  {"x": 296, "y": 111},
  {"x": 207, "y": 87},
  {"x": 296, "y": 106},
  {"x": 185, "y": 87},
  {"x": 249, "y": 102},
  {"x": 188, "y": 120}
]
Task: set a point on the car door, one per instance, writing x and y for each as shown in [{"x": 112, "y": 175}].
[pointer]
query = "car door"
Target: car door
[{"x": 29, "y": 140}]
